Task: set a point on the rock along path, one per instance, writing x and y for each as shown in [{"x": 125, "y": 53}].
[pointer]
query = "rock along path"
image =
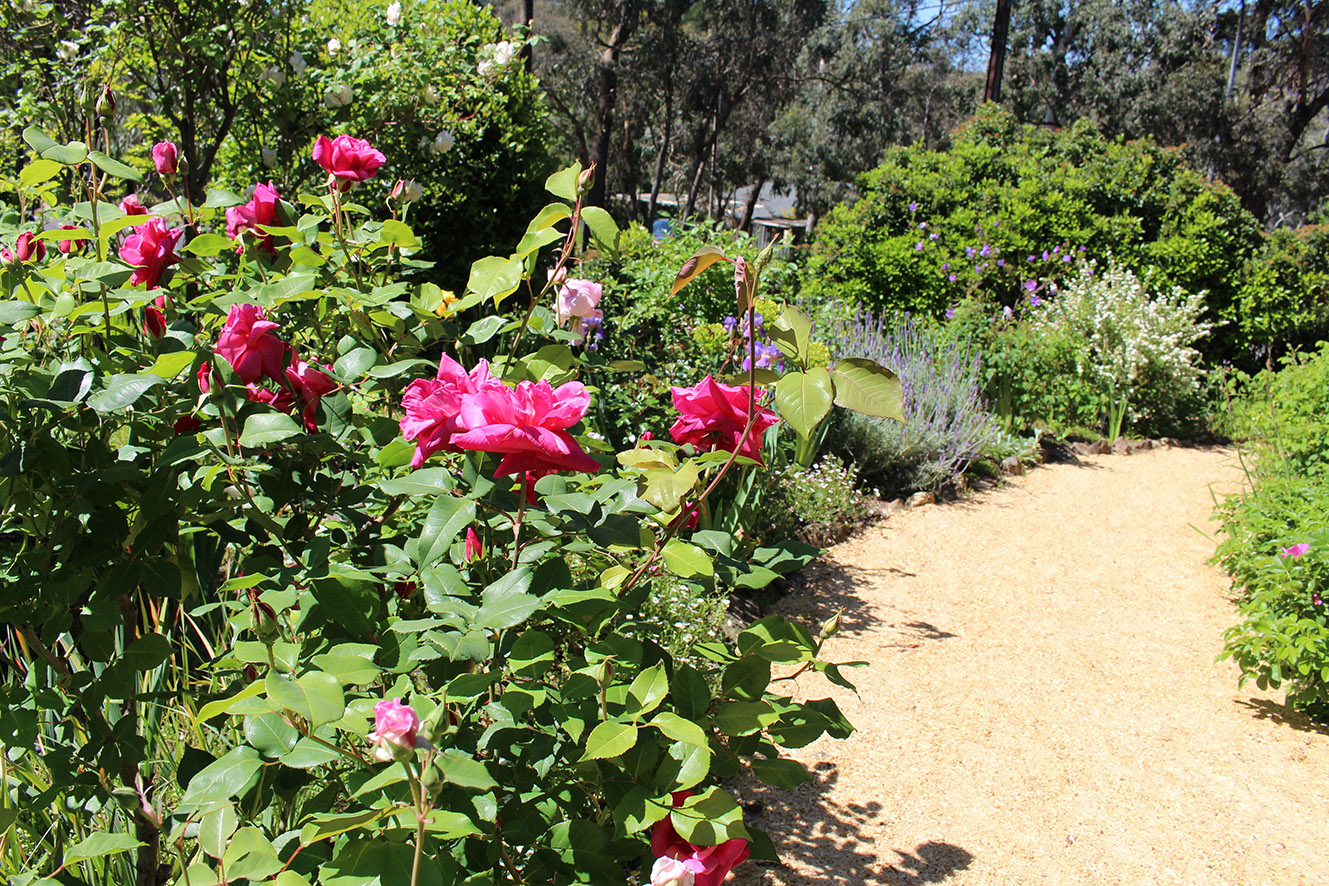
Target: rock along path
[{"x": 1043, "y": 704}]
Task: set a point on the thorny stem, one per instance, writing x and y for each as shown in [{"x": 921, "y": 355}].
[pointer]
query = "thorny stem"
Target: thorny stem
[
  {"x": 521, "y": 513},
  {"x": 569, "y": 244}
]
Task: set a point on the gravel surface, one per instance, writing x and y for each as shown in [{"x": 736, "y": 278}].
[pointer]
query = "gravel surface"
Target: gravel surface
[{"x": 1042, "y": 704}]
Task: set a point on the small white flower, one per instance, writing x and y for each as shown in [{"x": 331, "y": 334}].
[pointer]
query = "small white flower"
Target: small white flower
[
  {"x": 338, "y": 96},
  {"x": 298, "y": 63},
  {"x": 484, "y": 68},
  {"x": 68, "y": 50},
  {"x": 393, "y": 14},
  {"x": 334, "y": 46},
  {"x": 443, "y": 142},
  {"x": 503, "y": 52},
  {"x": 430, "y": 95},
  {"x": 269, "y": 156},
  {"x": 276, "y": 76},
  {"x": 413, "y": 192}
]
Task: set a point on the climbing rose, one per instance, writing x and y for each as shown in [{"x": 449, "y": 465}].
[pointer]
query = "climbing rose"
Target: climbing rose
[
  {"x": 154, "y": 321},
  {"x": 347, "y": 159},
  {"x": 1295, "y": 551},
  {"x": 578, "y": 298},
  {"x": 260, "y": 210},
  {"x": 395, "y": 728},
  {"x": 248, "y": 343},
  {"x": 527, "y": 425},
  {"x": 151, "y": 250},
  {"x": 712, "y": 416},
  {"x": 474, "y": 550},
  {"x": 27, "y": 249},
  {"x": 433, "y": 406},
  {"x": 310, "y": 383},
  {"x": 165, "y": 158},
  {"x": 709, "y": 865}
]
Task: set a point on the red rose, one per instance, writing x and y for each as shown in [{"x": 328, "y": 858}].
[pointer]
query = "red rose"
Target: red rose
[
  {"x": 151, "y": 250},
  {"x": 154, "y": 322},
  {"x": 249, "y": 344}
]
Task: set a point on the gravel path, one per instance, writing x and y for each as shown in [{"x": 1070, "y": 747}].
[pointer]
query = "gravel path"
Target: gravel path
[{"x": 1043, "y": 705}]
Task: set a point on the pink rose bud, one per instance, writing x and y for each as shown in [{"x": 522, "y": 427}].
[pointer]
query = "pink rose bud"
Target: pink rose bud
[
  {"x": 395, "y": 727},
  {"x": 27, "y": 249},
  {"x": 131, "y": 206},
  {"x": 154, "y": 321},
  {"x": 347, "y": 160},
  {"x": 406, "y": 191},
  {"x": 105, "y": 102},
  {"x": 647, "y": 437},
  {"x": 68, "y": 246},
  {"x": 474, "y": 550},
  {"x": 585, "y": 180},
  {"x": 6, "y": 257},
  {"x": 207, "y": 377},
  {"x": 165, "y": 158}
]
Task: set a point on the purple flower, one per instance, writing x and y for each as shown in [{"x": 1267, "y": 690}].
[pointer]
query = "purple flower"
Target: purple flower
[
  {"x": 1082, "y": 249},
  {"x": 933, "y": 236},
  {"x": 1056, "y": 249},
  {"x": 1065, "y": 258},
  {"x": 1035, "y": 301},
  {"x": 950, "y": 313},
  {"x": 1001, "y": 262},
  {"x": 922, "y": 225},
  {"x": 1046, "y": 255},
  {"x": 730, "y": 324},
  {"x": 1315, "y": 599},
  {"x": 997, "y": 223},
  {"x": 1030, "y": 285},
  {"x": 986, "y": 250},
  {"x": 918, "y": 247},
  {"x": 1031, "y": 258},
  {"x": 913, "y": 207},
  {"x": 951, "y": 278},
  {"x": 1006, "y": 312},
  {"x": 970, "y": 251},
  {"x": 1295, "y": 551},
  {"x": 945, "y": 266}
]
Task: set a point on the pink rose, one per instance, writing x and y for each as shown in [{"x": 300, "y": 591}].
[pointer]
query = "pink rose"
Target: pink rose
[
  {"x": 1295, "y": 551},
  {"x": 260, "y": 210},
  {"x": 395, "y": 727},
  {"x": 347, "y": 159},
  {"x": 249, "y": 344},
  {"x": 68, "y": 246},
  {"x": 578, "y": 298},
  {"x": 131, "y": 206},
  {"x": 712, "y": 416},
  {"x": 6, "y": 257},
  {"x": 433, "y": 407},
  {"x": 280, "y": 400},
  {"x": 528, "y": 425},
  {"x": 151, "y": 250},
  {"x": 208, "y": 377},
  {"x": 165, "y": 158},
  {"x": 309, "y": 383},
  {"x": 154, "y": 321},
  {"x": 672, "y": 872},
  {"x": 474, "y": 550},
  {"x": 709, "y": 865},
  {"x": 27, "y": 249}
]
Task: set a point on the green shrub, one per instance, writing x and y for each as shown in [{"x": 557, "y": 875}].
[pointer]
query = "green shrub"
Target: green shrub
[{"x": 825, "y": 499}]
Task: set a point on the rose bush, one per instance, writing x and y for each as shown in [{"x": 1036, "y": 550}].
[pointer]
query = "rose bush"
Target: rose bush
[{"x": 310, "y": 580}]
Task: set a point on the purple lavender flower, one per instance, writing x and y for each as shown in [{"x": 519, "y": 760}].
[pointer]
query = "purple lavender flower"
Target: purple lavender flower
[
  {"x": 1031, "y": 258},
  {"x": 1030, "y": 285},
  {"x": 1056, "y": 249},
  {"x": 1006, "y": 312},
  {"x": 922, "y": 225},
  {"x": 933, "y": 236},
  {"x": 730, "y": 324},
  {"x": 1065, "y": 258}
]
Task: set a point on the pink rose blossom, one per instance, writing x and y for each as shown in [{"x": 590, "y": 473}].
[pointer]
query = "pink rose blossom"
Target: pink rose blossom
[
  {"x": 310, "y": 384},
  {"x": 165, "y": 158},
  {"x": 27, "y": 249},
  {"x": 578, "y": 298},
  {"x": 151, "y": 250},
  {"x": 249, "y": 344},
  {"x": 131, "y": 206},
  {"x": 154, "y": 321},
  {"x": 712, "y": 416},
  {"x": 347, "y": 159},
  {"x": 280, "y": 400},
  {"x": 672, "y": 872},
  {"x": 709, "y": 865},
  {"x": 527, "y": 425},
  {"x": 474, "y": 550},
  {"x": 433, "y": 407},
  {"x": 395, "y": 731},
  {"x": 260, "y": 210},
  {"x": 1295, "y": 551},
  {"x": 68, "y": 246}
]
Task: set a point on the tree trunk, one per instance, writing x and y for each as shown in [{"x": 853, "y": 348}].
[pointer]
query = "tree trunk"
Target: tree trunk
[
  {"x": 751, "y": 205},
  {"x": 997, "y": 58},
  {"x": 663, "y": 155},
  {"x": 604, "y": 117},
  {"x": 630, "y": 171}
]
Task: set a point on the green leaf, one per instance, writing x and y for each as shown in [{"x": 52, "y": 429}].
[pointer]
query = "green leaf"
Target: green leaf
[
  {"x": 792, "y": 334},
  {"x": 549, "y": 216},
  {"x": 99, "y": 844},
  {"x": 805, "y": 398},
  {"x": 506, "y": 603},
  {"x": 608, "y": 740},
  {"x": 250, "y": 855},
  {"x": 172, "y": 364},
  {"x": 563, "y": 183},
  {"x": 423, "y": 481},
  {"x": 148, "y": 652},
  {"x": 709, "y": 819},
  {"x": 222, "y": 779},
  {"x": 483, "y": 330},
  {"x": 122, "y": 391},
  {"x": 678, "y": 728},
  {"x": 213, "y": 708},
  {"x": 738, "y": 718},
  {"x": 649, "y": 688},
  {"x": 495, "y": 278},
  {"x": 868, "y": 388},
  {"x": 638, "y": 810},
  {"x": 324, "y": 825},
  {"x": 701, "y": 260},
  {"x": 215, "y": 830},
  {"x": 111, "y": 166},
  {"x": 781, "y": 773},
  {"x": 47, "y": 147},
  {"x": 683, "y": 767},
  {"x": 602, "y": 226},
  {"x": 14, "y": 312},
  {"x": 38, "y": 171},
  {"x": 355, "y": 363},
  {"x": 219, "y": 198},
  {"x": 308, "y": 753},
  {"x": 398, "y": 233},
  {"x": 686, "y": 560},
  {"x": 534, "y": 240},
  {"x": 532, "y": 654},
  {"x": 668, "y": 489},
  {"x": 208, "y": 245},
  {"x": 464, "y": 771},
  {"x": 316, "y": 696},
  {"x": 268, "y": 427},
  {"x": 446, "y": 519},
  {"x": 270, "y": 734}
]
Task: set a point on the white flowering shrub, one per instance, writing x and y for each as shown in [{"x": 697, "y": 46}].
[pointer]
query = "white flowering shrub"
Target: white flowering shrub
[{"x": 1136, "y": 345}]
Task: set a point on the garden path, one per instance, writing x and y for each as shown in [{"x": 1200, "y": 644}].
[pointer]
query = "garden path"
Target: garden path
[{"x": 1043, "y": 705}]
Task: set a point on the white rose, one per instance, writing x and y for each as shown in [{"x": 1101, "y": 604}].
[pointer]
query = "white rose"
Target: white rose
[
  {"x": 276, "y": 76},
  {"x": 430, "y": 95},
  {"x": 68, "y": 49},
  {"x": 413, "y": 192},
  {"x": 484, "y": 68},
  {"x": 334, "y": 46},
  {"x": 443, "y": 142},
  {"x": 503, "y": 53},
  {"x": 671, "y": 872},
  {"x": 298, "y": 63},
  {"x": 269, "y": 156},
  {"x": 393, "y": 14}
]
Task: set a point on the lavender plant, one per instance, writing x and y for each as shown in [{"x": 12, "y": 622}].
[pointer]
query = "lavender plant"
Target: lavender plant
[{"x": 948, "y": 425}]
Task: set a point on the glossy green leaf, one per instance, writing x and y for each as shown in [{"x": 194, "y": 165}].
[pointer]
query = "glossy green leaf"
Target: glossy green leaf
[
  {"x": 38, "y": 171},
  {"x": 608, "y": 740},
  {"x": 678, "y": 728},
  {"x": 265, "y": 428},
  {"x": 222, "y": 779},
  {"x": 737, "y": 718},
  {"x": 563, "y": 184},
  {"x": 686, "y": 560},
  {"x": 270, "y": 734},
  {"x": 709, "y": 818},
  {"x": 868, "y": 388},
  {"x": 111, "y": 166},
  {"x": 804, "y": 399},
  {"x": 781, "y": 773},
  {"x": 122, "y": 391},
  {"x": 495, "y": 278},
  {"x": 12, "y": 312},
  {"x": 316, "y": 696},
  {"x": 532, "y": 654},
  {"x": 325, "y": 825},
  {"x": 208, "y": 245},
  {"x": 170, "y": 365},
  {"x": 602, "y": 226},
  {"x": 669, "y": 489},
  {"x": 648, "y": 689},
  {"x": 99, "y": 844},
  {"x": 215, "y": 829},
  {"x": 448, "y": 516}
]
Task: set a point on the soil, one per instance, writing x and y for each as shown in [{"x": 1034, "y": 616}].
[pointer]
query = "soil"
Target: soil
[{"x": 1042, "y": 703}]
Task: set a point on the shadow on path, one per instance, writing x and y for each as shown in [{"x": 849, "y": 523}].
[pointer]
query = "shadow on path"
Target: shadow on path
[
  {"x": 1283, "y": 715},
  {"x": 822, "y": 842}
]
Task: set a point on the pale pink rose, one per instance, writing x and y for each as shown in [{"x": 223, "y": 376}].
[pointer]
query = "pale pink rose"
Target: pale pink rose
[
  {"x": 672, "y": 872},
  {"x": 347, "y": 159},
  {"x": 578, "y": 298},
  {"x": 151, "y": 250},
  {"x": 249, "y": 343},
  {"x": 310, "y": 383},
  {"x": 712, "y": 416},
  {"x": 165, "y": 158},
  {"x": 395, "y": 731},
  {"x": 527, "y": 425}
]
